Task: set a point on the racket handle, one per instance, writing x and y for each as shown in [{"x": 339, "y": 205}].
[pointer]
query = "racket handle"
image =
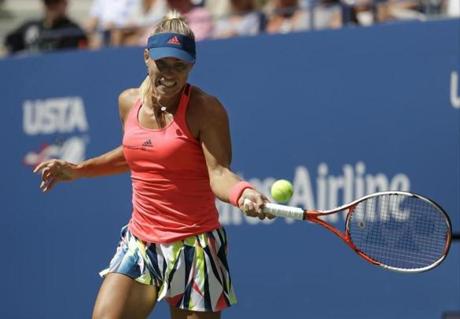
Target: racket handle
[{"x": 284, "y": 211}]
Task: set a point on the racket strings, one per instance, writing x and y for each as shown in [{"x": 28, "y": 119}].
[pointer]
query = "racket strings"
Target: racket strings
[{"x": 399, "y": 231}]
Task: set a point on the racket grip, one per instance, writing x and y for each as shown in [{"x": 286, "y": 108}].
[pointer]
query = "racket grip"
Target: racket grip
[{"x": 284, "y": 211}]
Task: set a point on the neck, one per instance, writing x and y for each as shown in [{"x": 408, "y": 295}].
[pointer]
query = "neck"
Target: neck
[
  {"x": 165, "y": 105},
  {"x": 160, "y": 103}
]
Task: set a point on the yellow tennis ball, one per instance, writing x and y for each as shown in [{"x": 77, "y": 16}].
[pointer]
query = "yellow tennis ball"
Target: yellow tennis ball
[{"x": 282, "y": 190}]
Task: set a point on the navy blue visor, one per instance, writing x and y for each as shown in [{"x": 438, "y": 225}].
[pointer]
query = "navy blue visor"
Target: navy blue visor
[{"x": 172, "y": 45}]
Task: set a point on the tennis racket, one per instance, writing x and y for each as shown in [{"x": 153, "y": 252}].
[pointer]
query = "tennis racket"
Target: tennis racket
[{"x": 399, "y": 231}]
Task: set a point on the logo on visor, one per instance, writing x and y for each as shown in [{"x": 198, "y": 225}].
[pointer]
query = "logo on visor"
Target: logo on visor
[{"x": 174, "y": 40}]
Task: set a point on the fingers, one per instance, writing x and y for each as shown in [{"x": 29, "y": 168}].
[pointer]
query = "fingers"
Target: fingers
[
  {"x": 49, "y": 185},
  {"x": 269, "y": 216},
  {"x": 48, "y": 180},
  {"x": 46, "y": 173},
  {"x": 46, "y": 185},
  {"x": 249, "y": 207},
  {"x": 51, "y": 164},
  {"x": 42, "y": 165},
  {"x": 253, "y": 206},
  {"x": 49, "y": 173}
]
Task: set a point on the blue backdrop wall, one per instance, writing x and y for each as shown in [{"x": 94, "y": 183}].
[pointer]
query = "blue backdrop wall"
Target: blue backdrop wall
[{"x": 340, "y": 113}]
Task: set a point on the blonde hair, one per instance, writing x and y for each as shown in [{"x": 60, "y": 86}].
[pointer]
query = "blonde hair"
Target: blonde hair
[{"x": 173, "y": 22}]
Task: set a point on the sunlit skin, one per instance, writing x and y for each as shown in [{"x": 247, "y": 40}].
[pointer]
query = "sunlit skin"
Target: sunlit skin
[
  {"x": 168, "y": 76},
  {"x": 207, "y": 120}
]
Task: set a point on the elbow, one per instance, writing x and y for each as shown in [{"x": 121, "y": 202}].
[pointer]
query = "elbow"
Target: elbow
[
  {"x": 213, "y": 181},
  {"x": 217, "y": 178}
]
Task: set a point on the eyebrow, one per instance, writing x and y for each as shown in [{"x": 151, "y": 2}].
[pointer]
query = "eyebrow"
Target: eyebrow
[{"x": 175, "y": 61}]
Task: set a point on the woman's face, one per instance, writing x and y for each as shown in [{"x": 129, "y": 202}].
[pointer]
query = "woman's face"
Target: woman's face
[{"x": 168, "y": 75}]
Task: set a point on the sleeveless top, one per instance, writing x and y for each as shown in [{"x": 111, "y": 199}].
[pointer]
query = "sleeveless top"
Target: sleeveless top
[{"x": 171, "y": 192}]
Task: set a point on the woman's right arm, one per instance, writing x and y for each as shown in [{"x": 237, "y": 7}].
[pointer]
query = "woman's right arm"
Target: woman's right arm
[
  {"x": 55, "y": 170},
  {"x": 110, "y": 163}
]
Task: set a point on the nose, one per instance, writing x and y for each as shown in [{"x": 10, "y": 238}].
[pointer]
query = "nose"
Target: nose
[
  {"x": 167, "y": 76},
  {"x": 168, "y": 72}
]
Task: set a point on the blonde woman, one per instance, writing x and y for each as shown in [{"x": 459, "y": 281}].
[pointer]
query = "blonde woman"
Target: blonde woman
[{"x": 176, "y": 144}]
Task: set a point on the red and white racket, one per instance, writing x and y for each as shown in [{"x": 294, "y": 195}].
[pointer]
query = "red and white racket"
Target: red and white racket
[{"x": 399, "y": 231}]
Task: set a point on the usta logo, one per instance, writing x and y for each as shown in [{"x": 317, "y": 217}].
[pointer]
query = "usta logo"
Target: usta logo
[{"x": 54, "y": 115}]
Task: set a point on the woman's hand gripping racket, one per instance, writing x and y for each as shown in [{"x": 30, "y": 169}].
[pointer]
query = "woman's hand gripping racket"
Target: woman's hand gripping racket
[{"x": 399, "y": 231}]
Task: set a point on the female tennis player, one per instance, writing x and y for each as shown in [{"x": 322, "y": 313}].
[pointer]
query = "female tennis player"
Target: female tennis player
[{"x": 176, "y": 144}]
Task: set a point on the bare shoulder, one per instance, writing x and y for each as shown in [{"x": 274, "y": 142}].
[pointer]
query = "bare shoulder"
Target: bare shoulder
[
  {"x": 207, "y": 107},
  {"x": 205, "y": 114},
  {"x": 126, "y": 100}
]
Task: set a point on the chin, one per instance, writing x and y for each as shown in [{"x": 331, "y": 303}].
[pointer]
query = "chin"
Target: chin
[{"x": 169, "y": 92}]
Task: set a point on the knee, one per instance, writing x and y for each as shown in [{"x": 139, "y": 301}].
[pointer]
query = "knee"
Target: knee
[{"x": 105, "y": 313}]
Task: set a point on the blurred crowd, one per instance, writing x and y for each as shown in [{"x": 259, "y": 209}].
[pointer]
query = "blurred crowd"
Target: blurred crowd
[{"x": 128, "y": 22}]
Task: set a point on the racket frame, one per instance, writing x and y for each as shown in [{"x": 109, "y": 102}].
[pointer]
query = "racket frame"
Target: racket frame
[{"x": 349, "y": 208}]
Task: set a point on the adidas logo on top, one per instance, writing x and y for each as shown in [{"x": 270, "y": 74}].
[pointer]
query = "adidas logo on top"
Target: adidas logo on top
[
  {"x": 147, "y": 143},
  {"x": 174, "y": 40}
]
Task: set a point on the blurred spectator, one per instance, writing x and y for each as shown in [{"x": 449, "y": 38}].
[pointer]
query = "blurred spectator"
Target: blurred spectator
[
  {"x": 453, "y": 8},
  {"x": 392, "y": 10},
  {"x": 218, "y": 8},
  {"x": 105, "y": 16},
  {"x": 285, "y": 16},
  {"x": 360, "y": 12},
  {"x": 430, "y": 7},
  {"x": 292, "y": 15},
  {"x": 243, "y": 19},
  {"x": 198, "y": 17},
  {"x": 325, "y": 14},
  {"x": 139, "y": 22},
  {"x": 54, "y": 31}
]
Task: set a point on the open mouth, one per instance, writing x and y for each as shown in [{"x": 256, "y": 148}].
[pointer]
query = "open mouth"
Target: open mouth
[{"x": 167, "y": 83}]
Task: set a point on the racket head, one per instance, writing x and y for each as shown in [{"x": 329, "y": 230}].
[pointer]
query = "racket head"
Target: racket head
[{"x": 399, "y": 231}]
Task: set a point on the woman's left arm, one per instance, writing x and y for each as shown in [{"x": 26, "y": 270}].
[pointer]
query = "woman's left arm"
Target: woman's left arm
[{"x": 215, "y": 140}]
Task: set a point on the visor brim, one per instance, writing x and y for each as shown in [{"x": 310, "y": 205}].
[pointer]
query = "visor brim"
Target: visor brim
[{"x": 168, "y": 52}]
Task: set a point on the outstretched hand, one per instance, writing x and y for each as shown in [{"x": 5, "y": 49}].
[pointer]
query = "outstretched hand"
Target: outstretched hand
[
  {"x": 54, "y": 171},
  {"x": 251, "y": 202}
]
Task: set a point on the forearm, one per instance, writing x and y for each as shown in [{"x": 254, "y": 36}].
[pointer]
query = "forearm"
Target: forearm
[
  {"x": 110, "y": 163},
  {"x": 222, "y": 181},
  {"x": 230, "y": 188}
]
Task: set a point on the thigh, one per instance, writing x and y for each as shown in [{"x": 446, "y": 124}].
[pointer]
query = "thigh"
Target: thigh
[
  {"x": 177, "y": 313},
  {"x": 121, "y": 297}
]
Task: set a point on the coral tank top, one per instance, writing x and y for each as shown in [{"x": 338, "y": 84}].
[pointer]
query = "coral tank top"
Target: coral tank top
[{"x": 172, "y": 197}]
